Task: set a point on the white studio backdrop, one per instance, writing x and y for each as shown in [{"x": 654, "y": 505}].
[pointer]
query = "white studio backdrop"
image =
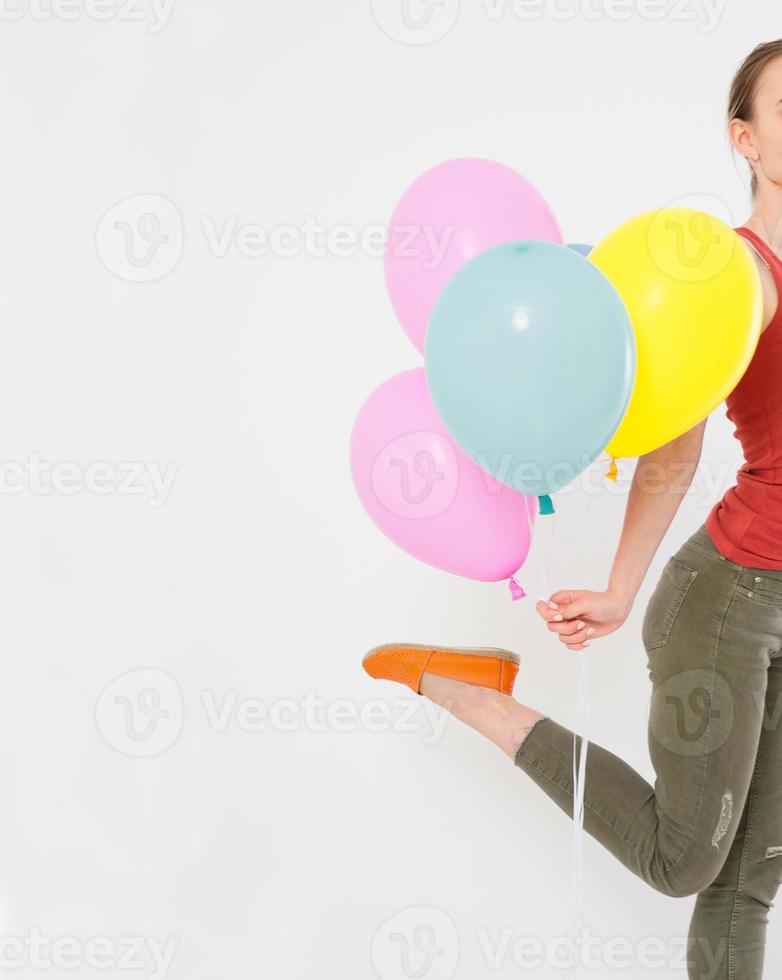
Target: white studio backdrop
[{"x": 199, "y": 780}]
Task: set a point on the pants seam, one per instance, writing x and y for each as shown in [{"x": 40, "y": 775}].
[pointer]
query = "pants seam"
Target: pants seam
[
  {"x": 737, "y": 901},
  {"x": 680, "y": 858},
  {"x": 738, "y": 896}
]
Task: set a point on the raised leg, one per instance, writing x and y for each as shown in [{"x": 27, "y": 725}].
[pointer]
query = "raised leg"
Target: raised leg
[{"x": 495, "y": 715}]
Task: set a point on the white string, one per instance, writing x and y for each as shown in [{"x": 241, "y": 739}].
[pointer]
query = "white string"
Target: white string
[
  {"x": 575, "y": 920},
  {"x": 545, "y": 565},
  {"x": 583, "y": 707},
  {"x": 579, "y": 783}
]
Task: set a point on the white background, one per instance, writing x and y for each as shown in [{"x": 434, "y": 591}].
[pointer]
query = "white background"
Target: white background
[{"x": 283, "y": 851}]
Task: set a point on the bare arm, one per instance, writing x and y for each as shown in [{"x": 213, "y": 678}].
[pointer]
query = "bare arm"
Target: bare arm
[{"x": 660, "y": 480}]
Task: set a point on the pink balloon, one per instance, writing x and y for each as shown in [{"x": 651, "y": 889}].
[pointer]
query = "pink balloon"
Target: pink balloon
[
  {"x": 426, "y": 494},
  {"x": 446, "y": 217}
]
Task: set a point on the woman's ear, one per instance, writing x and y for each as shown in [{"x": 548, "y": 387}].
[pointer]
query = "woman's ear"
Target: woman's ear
[{"x": 740, "y": 133}]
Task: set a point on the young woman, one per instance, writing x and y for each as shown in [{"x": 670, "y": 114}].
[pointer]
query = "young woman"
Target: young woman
[{"x": 712, "y": 824}]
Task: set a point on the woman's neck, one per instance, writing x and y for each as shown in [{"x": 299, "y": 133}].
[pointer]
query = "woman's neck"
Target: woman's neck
[{"x": 766, "y": 219}]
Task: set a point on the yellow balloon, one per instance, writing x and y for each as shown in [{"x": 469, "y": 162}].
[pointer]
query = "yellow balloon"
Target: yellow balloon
[{"x": 695, "y": 299}]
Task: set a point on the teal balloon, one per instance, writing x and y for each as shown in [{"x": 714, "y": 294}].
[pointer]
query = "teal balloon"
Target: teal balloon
[
  {"x": 530, "y": 358},
  {"x": 581, "y": 248}
]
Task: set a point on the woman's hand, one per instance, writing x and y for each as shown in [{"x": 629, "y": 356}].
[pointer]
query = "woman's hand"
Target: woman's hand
[{"x": 581, "y": 615}]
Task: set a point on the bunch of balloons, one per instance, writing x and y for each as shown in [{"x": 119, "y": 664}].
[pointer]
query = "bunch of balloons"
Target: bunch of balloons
[{"x": 538, "y": 357}]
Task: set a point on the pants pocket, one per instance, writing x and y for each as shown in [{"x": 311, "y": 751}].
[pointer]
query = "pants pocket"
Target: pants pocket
[{"x": 665, "y": 602}]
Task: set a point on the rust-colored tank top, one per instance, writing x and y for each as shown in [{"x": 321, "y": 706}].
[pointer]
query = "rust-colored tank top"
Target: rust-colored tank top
[{"x": 746, "y": 524}]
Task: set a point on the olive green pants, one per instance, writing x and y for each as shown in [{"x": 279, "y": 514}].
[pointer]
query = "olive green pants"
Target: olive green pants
[{"x": 711, "y": 825}]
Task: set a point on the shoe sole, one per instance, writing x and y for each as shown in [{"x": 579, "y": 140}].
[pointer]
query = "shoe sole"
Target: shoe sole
[{"x": 498, "y": 652}]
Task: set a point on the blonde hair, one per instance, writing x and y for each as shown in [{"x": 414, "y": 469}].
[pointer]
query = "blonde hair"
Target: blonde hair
[{"x": 745, "y": 85}]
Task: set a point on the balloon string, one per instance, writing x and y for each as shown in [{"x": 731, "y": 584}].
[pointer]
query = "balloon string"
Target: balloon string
[
  {"x": 545, "y": 506},
  {"x": 545, "y": 565},
  {"x": 575, "y": 922},
  {"x": 579, "y": 784}
]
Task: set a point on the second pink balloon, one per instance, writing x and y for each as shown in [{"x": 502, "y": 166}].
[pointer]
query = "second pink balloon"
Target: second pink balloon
[{"x": 446, "y": 217}]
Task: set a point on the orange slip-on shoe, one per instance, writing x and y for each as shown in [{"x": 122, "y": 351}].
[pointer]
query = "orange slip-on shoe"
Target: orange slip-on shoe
[{"x": 407, "y": 662}]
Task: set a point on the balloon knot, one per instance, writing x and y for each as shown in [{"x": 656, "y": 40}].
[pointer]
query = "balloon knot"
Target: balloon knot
[
  {"x": 612, "y": 470},
  {"x": 515, "y": 589},
  {"x": 545, "y": 504}
]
